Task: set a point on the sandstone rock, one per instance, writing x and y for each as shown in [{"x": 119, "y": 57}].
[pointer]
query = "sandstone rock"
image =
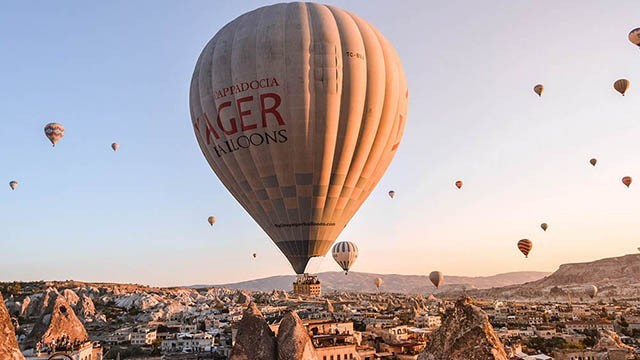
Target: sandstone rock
[
  {"x": 294, "y": 342},
  {"x": 9, "y": 349},
  {"x": 329, "y": 306},
  {"x": 85, "y": 307},
  {"x": 61, "y": 322},
  {"x": 465, "y": 334},
  {"x": 255, "y": 340}
]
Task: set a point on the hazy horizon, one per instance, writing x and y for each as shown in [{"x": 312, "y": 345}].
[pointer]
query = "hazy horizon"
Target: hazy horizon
[{"x": 120, "y": 71}]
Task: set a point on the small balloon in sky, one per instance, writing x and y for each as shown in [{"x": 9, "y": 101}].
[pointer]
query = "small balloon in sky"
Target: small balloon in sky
[
  {"x": 544, "y": 226},
  {"x": 459, "y": 184},
  {"x": 54, "y": 132},
  {"x": 634, "y": 37},
  {"x": 115, "y": 146},
  {"x": 13, "y": 185},
  {"x": 392, "y": 194},
  {"x": 627, "y": 180},
  {"x": 211, "y": 220},
  {"x": 593, "y": 162},
  {"x": 345, "y": 254},
  {"x": 621, "y": 86},
  {"x": 525, "y": 246},
  {"x": 538, "y": 89}
]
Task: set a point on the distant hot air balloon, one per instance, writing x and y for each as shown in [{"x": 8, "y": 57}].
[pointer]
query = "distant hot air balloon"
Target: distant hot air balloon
[
  {"x": 299, "y": 109},
  {"x": 525, "y": 246},
  {"x": 634, "y": 37},
  {"x": 13, "y": 185},
  {"x": 392, "y": 194},
  {"x": 591, "y": 290},
  {"x": 212, "y": 220},
  {"x": 255, "y": 255},
  {"x": 593, "y": 162},
  {"x": 544, "y": 226},
  {"x": 621, "y": 86},
  {"x": 436, "y": 278},
  {"x": 115, "y": 146},
  {"x": 378, "y": 282},
  {"x": 458, "y": 184},
  {"x": 626, "y": 180},
  {"x": 538, "y": 89},
  {"x": 345, "y": 254},
  {"x": 54, "y": 132}
]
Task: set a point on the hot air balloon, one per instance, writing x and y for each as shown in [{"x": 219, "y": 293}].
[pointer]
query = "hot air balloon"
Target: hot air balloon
[
  {"x": 299, "y": 109},
  {"x": 626, "y": 180},
  {"x": 544, "y": 226},
  {"x": 54, "y": 132},
  {"x": 345, "y": 254},
  {"x": 525, "y": 246},
  {"x": 621, "y": 86},
  {"x": 211, "y": 220},
  {"x": 591, "y": 290},
  {"x": 115, "y": 146},
  {"x": 255, "y": 255},
  {"x": 436, "y": 278},
  {"x": 634, "y": 37},
  {"x": 538, "y": 89},
  {"x": 392, "y": 194},
  {"x": 458, "y": 184},
  {"x": 13, "y": 185},
  {"x": 378, "y": 282},
  {"x": 593, "y": 162}
]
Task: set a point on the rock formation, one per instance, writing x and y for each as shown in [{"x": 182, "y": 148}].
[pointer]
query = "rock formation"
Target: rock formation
[
  {"x": 60, "y": 322},
  {"x": 465, "y": 334},
  {"x": 329, "y": 306},
  {"x": 85, "y": 308},
  {"x": 255, "y": 340},
  {"x": 294, "y": 342},
  {"x": 9, "y": 349}
]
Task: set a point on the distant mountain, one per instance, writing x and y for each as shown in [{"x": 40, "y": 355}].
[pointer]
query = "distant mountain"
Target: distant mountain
[
  {"x": 357, "y": 281},
  {"x": 614, "y": 277}
]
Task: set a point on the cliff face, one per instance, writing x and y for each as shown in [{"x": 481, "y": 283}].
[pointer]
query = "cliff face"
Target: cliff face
[
  {"x": 465, "y": 334},
  {"x": 294, "y": 342},
  {"x": 9, "y": 349},
  {"x": 614, "y": 271},
  {"x": 60, "y": 322}
]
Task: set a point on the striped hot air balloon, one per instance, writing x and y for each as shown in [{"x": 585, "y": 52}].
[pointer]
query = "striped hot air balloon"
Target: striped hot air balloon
[
  {"x": 627, "y": 180},
  {"x": 621, "y": 86},
  {"x": 299, "y": 109},
  {"x": 54, "y": 132},
  {"x": 634, "y": 37},
  {"x": 436, "y": 278},
  {"x": 458, "y": 184},
  {"x": 345, "y": 254},
  {"x": 538, "y": 89},
  {"x": 525, "y": 246}
]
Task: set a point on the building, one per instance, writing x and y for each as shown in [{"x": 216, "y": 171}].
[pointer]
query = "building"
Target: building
[
  {"x": 306, "y": 285},
  {"x": 188, "y": 343},
  {"x": 86, "y": 351},
  {"x": 143, "y": 336}
]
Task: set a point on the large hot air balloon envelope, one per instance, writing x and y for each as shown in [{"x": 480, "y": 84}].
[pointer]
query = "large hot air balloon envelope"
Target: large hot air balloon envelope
[
  {"x": 13, "y": 185},
  {"x": 345, "y": 254},
  {"x": 525, "y": 246},
  {"x": 593, "y": 162},
  {"x": 299, "y": 109},
  {"x": 378, "y": 282},
  {"x": 458, "y": 184},
  {"x": 621, "y": 86},
  {"x": 392, "y": 194},
  {"x": 211, "y": 220},
  {"x": 436, "y": 278},
  {"x": 538, "y": 89},
  {"x": 54, "y": 132},
  {"x": 627, "y": 180},
  {"x": 634, "y": 37},
  {"x": 544, "y": 226},
  {"x": 115, "y": 146},
  {"x": 591, "y": 290}
]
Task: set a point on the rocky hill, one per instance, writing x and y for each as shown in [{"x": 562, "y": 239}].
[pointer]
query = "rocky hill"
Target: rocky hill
[
  {"x": 614, "y": 277},
  {"x": 9, "y": 349},
  {"x": 363, "y": 282}
]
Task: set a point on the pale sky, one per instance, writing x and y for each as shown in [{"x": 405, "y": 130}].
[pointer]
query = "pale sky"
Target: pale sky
[{"x": 120, "y": 71}]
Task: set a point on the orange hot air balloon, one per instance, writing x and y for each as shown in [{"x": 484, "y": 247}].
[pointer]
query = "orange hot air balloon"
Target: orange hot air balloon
[
  {"x": 593, "y": 162},
  {"x": 54, "y": 132},
  {"x": 115, "y": 146},
  {"x": 299, "y": 109},
  {"x": 525, "y": 246},
  {"x": 458, "y": 184},
  {"x": 538, "y": 89},
  {"x": 621, "y": 86},
  {"x": 626, "y": 180},
  {"x": 211, "y": 220},
  {"x": 634, "y": 37},
  {"x": 544, "y": 226}
]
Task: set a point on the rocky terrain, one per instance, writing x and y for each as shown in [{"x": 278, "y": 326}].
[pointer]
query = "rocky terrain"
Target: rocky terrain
[
  {"x": 9, "y": 349},
  {"x": 405, "y": 284}
]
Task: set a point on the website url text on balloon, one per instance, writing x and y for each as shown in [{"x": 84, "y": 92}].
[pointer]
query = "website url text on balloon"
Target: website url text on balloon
[{"x": 304, "y": 224}]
